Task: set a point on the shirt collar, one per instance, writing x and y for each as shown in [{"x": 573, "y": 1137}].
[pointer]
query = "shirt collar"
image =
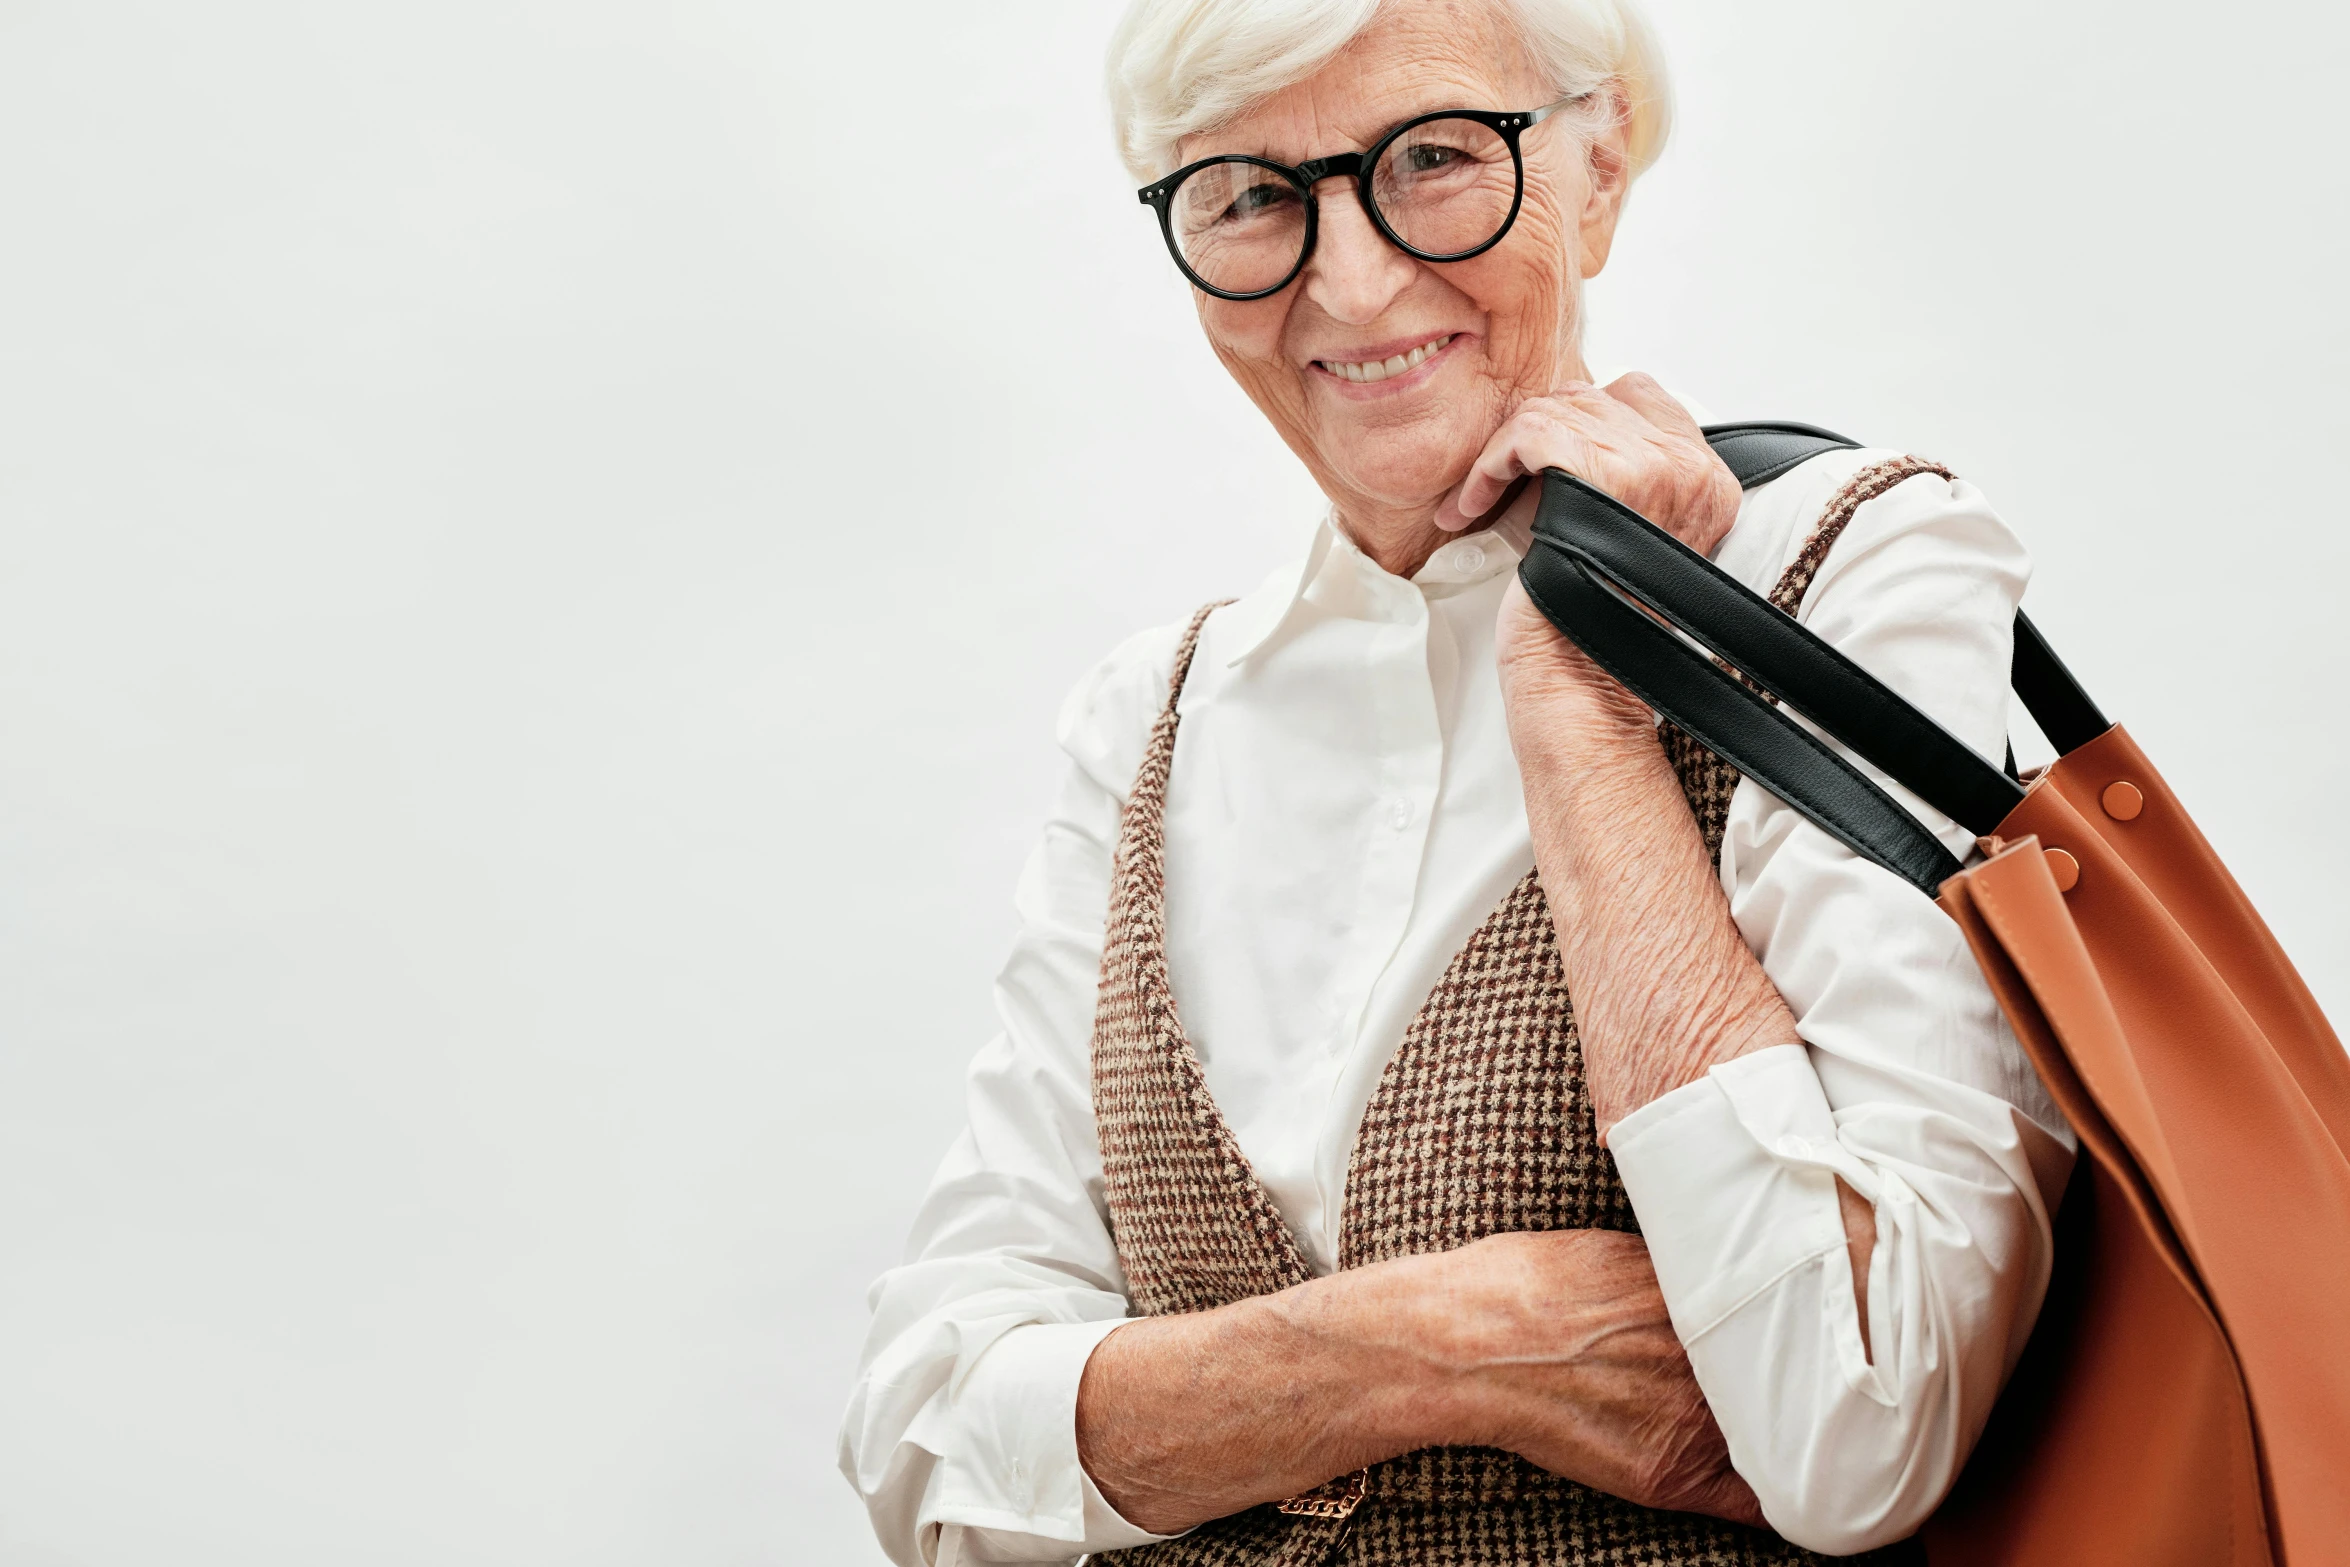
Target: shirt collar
[
  {"x": 1263, "y": 614},
  {"x": 1258, "y": 619}
]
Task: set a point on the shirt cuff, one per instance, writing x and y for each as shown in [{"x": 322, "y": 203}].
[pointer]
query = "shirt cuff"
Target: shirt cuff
[
  {"x": 1733, "y": 1178},
  {"x": 1017, "y": 1410}
]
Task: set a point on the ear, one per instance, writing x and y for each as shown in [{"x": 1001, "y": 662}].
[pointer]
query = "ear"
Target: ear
[{"x": 1608, "y": 170}]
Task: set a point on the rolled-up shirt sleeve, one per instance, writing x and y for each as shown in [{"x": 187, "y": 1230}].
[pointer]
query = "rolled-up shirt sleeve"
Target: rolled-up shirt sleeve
[
  {"x": 960, "y": 1434},
  {"x": 1904, "y": 1081}
]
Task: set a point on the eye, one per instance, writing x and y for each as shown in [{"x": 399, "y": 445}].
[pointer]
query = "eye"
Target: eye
[
  {"x": 1258, "y": 199},
  {"x": 1428, "y": 157}
]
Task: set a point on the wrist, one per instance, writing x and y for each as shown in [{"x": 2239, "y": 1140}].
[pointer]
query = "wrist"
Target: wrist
[
  {"x": 1391, "y": 1342},
  {"x": 1575, "y": 715},
  {"x": 1578, "y": 750},
  {"x": 1487, "y": 1335}
]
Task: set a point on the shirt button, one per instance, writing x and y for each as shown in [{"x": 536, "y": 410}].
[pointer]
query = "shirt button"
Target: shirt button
[
  {"x": 1400, "y": 814},
  {"x": 1467, "y": 557}
]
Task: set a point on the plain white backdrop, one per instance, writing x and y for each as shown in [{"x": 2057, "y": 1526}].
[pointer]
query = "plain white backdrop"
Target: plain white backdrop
[{"x": 539, "y": 546}]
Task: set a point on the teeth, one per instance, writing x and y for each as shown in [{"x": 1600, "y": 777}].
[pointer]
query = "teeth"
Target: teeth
[{"x": 1367, "y": 370}]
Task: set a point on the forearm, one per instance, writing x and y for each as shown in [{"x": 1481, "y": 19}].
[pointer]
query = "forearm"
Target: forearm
[
  {"x": 1664, "y": 987},
  {"x": 1900, "y": 1133},
  {"x": 1553, "y": 1345},
  {"x": 1185, "y": 1418}
]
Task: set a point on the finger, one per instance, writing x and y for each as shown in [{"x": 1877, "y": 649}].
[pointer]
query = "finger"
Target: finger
[
  {"x": 1508, "y": 501},
  {"x": 1472, "y": 500},
  {"x": 1560, "y": 433},
  {"x": 1652, "y": 402},
  {"x": 1560, "y": 430},
  {"x": 1495, "y": 469}
]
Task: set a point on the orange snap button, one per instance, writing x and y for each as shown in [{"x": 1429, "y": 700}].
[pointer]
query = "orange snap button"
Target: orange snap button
[
  {"x": 2122, "y": 801},
  {"x": 2064, "y": 868}
]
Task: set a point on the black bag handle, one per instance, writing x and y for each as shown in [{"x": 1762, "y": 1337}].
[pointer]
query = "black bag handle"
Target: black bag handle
[
  {"x": 1761, "y": 451},
  {"x": 1591, "y": 553}
]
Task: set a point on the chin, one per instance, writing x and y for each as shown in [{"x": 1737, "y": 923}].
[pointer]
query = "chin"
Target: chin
[{"x": 1394, "y": 469}]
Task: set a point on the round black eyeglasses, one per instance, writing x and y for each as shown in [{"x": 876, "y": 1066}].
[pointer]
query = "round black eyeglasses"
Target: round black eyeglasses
[{"x": 1442, "y": 187}]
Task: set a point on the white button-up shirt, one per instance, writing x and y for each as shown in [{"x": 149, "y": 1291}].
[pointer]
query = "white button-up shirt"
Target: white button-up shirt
[{"x": 1345, "y": 810}]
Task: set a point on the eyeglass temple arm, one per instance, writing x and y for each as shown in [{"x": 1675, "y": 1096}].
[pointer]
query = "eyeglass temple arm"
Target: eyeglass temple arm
[{"x": 1537, "y": 116}]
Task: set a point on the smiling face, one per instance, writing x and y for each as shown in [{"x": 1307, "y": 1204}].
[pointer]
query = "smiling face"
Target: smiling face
[{"x": 1384, "y": 373}]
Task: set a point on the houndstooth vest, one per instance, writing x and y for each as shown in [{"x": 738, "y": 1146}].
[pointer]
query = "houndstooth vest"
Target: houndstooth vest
[{"x": 1480, "y": 1126}]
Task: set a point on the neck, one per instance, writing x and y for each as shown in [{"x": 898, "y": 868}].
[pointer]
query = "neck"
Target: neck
[{"x": 1399, "y": 538}]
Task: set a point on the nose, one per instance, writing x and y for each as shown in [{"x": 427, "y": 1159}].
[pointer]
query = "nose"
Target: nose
[{"x": 1355, "y": 273}]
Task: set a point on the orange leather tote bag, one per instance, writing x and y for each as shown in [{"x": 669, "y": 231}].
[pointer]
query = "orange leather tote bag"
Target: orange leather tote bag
[{"x": 2185, "y": 1398}]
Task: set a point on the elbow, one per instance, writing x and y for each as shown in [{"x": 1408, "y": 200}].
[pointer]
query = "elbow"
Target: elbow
[
  {"x": 1834, "y": 1532},
  {"x": 1853, "y": 1451},
  {"x": 1868, "y": 1468},
  {"x": 1838, "y": 1507}
]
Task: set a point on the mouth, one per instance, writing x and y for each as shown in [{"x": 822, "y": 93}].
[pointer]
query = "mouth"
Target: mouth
[{"x": 1362, "y": 372}]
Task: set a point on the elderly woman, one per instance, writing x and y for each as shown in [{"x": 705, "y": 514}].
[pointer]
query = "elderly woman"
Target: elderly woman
[{"x": 1301, "y": 1215}]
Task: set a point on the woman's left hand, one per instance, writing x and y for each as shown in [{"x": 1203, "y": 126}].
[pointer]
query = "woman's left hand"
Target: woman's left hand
[
  {"x": 1630, "y": 439},
  {"x": 1664, "y": 987}
]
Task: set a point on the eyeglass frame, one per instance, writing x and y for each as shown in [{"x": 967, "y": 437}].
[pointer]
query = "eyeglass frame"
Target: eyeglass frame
[{"x": 1509, "y": 126}]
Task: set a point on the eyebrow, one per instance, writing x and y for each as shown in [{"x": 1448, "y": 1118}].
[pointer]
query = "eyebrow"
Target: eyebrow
[{"x": 1433, "y": 105}]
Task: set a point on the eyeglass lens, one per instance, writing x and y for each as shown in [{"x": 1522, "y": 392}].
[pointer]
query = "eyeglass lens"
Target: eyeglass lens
[{"x": 1444, "y": 188}]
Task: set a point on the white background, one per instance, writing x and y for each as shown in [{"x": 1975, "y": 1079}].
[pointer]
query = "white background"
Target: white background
[{"x": 539, "y": 546}]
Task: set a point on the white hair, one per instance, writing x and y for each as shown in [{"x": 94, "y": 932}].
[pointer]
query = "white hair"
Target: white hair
[{"x": 1178, "y": 67}]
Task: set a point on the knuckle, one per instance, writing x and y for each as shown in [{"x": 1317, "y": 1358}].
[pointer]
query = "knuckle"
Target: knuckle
[
  {"x": 1527, "y": 423},
  {"x": 1550, "y": 413}
]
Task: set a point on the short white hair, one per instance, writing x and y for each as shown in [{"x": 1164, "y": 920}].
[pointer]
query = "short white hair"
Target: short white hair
[{"x": 1178, "y": 67}]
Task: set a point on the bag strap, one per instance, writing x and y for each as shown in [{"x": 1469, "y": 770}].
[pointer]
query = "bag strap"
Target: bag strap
[
  {"x": 1730, "y": 720},
  {"x": 1592, "y": 554},
  {"x": 1762, "y": 450},
  {"x": 2050, "y": 694}
]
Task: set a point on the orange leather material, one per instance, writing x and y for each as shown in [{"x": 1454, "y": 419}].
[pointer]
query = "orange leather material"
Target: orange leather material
[
  {"x": 2171, "y": 857},
  {"x": 2124, "y": 1434},
  {"x": 2207, "y": 1244}
]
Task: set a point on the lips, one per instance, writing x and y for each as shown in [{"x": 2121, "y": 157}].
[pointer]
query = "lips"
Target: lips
[{"x": 1364, "y": 371}]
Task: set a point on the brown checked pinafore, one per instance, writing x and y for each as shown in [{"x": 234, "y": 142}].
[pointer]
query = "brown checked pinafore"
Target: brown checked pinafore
[{"x": 1480, "y": 1126}]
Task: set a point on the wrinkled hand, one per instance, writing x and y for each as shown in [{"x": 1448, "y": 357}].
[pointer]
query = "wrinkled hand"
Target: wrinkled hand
[
  {"x": 1630, "y": 439},
  {"x": 1577, "y": 1369},
  {"x": 1555, "y": 1346},
  {"x": 1665, "y": 989}
]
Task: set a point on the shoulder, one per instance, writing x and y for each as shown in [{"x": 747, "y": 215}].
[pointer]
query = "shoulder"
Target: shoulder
[
  {"x": 1916, "y": 519},
  {"x": 1106, "y": 719},
  {"x": 1920, "y": 588}
]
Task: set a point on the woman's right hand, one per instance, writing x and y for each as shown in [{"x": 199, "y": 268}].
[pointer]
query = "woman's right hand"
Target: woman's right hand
[{"x": 1555, "y": 1346}]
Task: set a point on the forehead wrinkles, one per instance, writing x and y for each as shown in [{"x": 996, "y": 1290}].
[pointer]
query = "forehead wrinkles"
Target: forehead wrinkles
[{"x": 1417, "y": 57}]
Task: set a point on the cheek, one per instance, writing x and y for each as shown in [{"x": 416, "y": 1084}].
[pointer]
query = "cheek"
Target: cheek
[
  {"x": 1525, "y": 286},
  {"x": 1549, "y": 255},
  {"x": 1247, "y": 338},
  {"x": 1249, "y": 330}
]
